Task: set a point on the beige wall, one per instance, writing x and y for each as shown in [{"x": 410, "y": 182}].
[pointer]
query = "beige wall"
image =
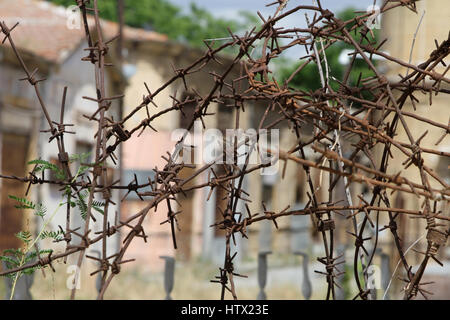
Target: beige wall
[{"x": 399, "y": 26}]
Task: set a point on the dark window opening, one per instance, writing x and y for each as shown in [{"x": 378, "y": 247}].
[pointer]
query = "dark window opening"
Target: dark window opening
[{"x": 188, "y": 110}]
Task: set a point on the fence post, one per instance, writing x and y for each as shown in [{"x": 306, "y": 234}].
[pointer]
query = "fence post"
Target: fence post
[
  {"x": 23, "y": 286},
  {"x": 262, "y": 274},
  {"x": 341, "y": 294},
  {"x": 306, "y": 284},
  {"x": 169, "y": 271},
  {"x": 385, "y": 272},
  {"x": 300, "y": 244},
  {"x": 98, "y": 279}
]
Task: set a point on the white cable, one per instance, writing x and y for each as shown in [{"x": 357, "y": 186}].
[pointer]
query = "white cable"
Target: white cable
[{"x": 398, "y": 263}]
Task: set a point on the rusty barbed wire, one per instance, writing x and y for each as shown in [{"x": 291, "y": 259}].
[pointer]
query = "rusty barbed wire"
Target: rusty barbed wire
[{"x": 369, "y": 129}]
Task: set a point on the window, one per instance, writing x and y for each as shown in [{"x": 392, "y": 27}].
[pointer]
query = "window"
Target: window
[
  {"x": 443, "y": 169},
  {"x": 225, "y": 116},
  {"x": 187, "y": 115}
]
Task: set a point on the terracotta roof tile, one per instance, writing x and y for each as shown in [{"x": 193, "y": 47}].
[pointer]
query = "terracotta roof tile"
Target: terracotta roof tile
[{"x": 43, "y": 29}]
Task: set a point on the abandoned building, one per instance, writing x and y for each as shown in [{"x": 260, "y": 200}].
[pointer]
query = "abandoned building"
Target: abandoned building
[{"x": 148, "y": 58}]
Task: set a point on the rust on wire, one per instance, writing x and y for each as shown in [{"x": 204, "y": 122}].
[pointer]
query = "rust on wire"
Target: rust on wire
[{"x": 328, "y": 110}]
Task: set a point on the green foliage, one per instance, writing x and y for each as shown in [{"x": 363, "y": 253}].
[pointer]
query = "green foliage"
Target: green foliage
[
  {"x": 15, "y": 258},
  {"x": 162, "y": 16},
  {"x": 18, "y": 257},
  {"x": 83, "y": 168},
  {"x": 43, "y": 165},
  {"x": 309, "y": 78},
  {"x": 39, "y": 209},
  {"x": 81, "y": 203},
  {"x": 55, "y": 235},
  {"x": 80, "y": 157},
  {"x": 24, "y": 236},
  {"x": 96, "y": 205},
  {"x": 23, "y": 203}
]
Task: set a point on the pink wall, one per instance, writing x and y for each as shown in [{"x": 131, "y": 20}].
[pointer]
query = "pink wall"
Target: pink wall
[{"x": 144, "y": 152}]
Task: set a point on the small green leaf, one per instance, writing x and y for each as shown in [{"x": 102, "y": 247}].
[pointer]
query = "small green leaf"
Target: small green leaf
[
  {"x": 55, "y": 235},
  {"x": 9, "y": 261},
  {"x": 25, "y": 236},
  {"x": 23, "y": 203},
  {"x": 40, "y": 211}
]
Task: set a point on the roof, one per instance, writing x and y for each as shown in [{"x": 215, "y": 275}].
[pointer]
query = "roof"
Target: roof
[{"x": 43, "y": 29}]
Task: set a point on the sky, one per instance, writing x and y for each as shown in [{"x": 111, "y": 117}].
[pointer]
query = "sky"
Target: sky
[{"x": 230, "y": 8}]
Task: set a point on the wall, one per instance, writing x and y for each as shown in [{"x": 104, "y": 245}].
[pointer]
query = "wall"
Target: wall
[{"x": 22, "y": 114}]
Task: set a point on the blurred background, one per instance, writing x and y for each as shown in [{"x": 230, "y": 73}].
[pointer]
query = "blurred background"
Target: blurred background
[{"x": 158, "y": 34}]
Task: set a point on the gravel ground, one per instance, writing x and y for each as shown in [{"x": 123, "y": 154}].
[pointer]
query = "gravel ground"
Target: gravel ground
[{"x": 193, "y": 282}]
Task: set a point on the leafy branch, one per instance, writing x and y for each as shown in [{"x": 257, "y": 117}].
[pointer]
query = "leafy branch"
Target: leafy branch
[
  {"x": 81, "y": 203},
  {"x": 16, "y": 258},
  {"x": 39, "y": 209},
  {"x": 42, "y": 165}
]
